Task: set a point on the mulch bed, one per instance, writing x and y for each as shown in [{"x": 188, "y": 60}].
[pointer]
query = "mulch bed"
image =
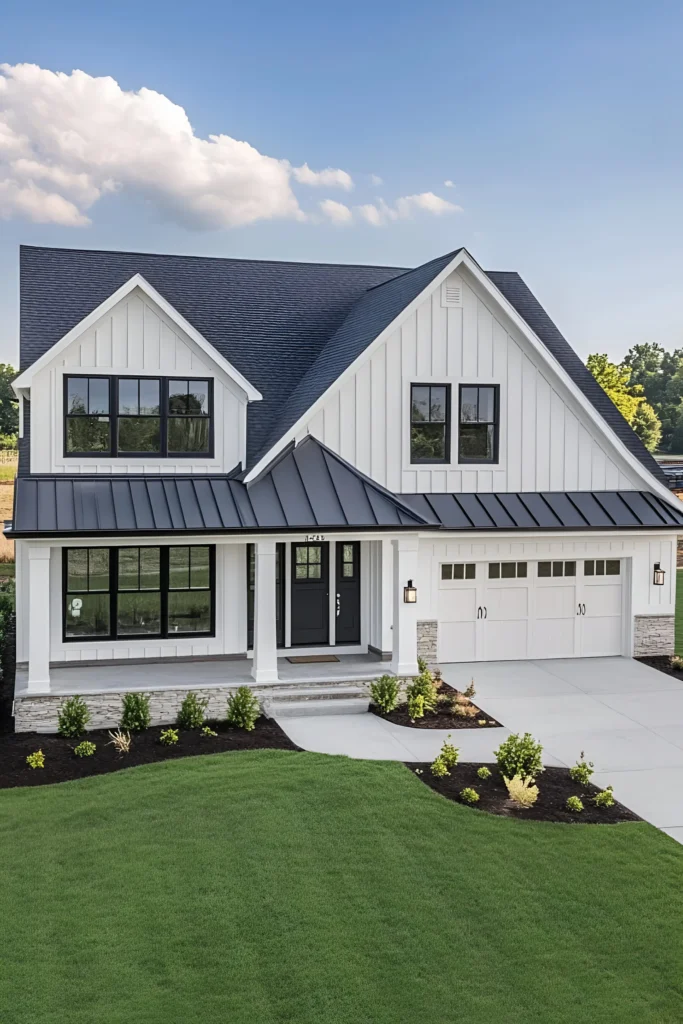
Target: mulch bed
[
  {"x": 664, "y": 663},
  {"x": 61, "y": 764},
  {"x": 442, "y": 718},
  {"x": 554, "y": 785}
]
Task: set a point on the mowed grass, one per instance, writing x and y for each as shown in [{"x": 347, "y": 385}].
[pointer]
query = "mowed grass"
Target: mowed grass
[{"x": 282, "y": 887}]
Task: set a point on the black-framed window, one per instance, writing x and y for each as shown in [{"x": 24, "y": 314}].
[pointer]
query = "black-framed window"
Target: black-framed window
[
  {"x": 308, "y": 562},
  {"x": 348, "y": 562},
  {"x": 138, "y": 416},
  {"x": 430, "y": 416},
  {"x": 139, "y": 592},
  {"x": 479, "y": 418}
]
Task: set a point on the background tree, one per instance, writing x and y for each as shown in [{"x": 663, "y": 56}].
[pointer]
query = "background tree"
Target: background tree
[
  {"x": 615, "y": 380},
  {"x": 660, "y": 374},
  {"x": 9, "y": 406},
  {"x": 647, "y": 426}
]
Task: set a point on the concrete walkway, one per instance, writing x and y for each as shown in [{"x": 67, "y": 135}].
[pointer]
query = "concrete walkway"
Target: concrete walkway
[{"x": 628, "y": 719}]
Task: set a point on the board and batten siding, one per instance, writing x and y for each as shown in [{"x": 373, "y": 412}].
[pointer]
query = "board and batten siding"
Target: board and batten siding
[
  {"x": 545, "y": 444},
  {"x": 135, "y": 337}
]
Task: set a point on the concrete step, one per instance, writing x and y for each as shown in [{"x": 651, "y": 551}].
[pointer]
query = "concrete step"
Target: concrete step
[
  {"x": 324, "y": 693},
  {"x": 306, "y": 708}
]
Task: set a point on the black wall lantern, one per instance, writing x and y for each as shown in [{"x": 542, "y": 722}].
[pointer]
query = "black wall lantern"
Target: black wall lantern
[
  {"x": 658, "y": 575},
  {"x": 410, "y": 593}
]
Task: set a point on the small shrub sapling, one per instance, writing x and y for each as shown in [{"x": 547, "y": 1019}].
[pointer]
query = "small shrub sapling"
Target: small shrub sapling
[
  {"x": 73, "y": 717},
  {"x": 136, "y": 715},
  {"x": 169, "y": 737},
  {"x": 416, "y": 706},
  {"x": 191, "y": 712},
  {"x": 36, "y": 759},
  {"x": 469, "y": 795},
  {"x": 519, "y": 755},
  {"x": 439, "y": 768},
  {"x": 605, "y": 798},
  {"x": 243, "y": 709},
  {"x": 581, "y": 772},
  {"x": 484, "y": 772},
  {"x": 574, "y": 804},
  {"x": 522, "y": 790},
  {"x": 85, "y": 749},
  {"x": 384, "y": 693},
  {"x": 449, "y": 753}
]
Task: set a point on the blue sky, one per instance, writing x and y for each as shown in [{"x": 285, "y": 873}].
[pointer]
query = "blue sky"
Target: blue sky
[{"x": 559, "y": 125}]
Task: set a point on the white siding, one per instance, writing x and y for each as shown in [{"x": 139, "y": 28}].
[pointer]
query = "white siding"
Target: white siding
[
  {"x": 135, "y": 337},
  {"x": 545, "y": 440}
]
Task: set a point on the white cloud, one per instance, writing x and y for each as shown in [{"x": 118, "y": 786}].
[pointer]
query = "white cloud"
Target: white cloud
[
  {"x": 68, "y": 139},
  {"x": 376, "y": 180},
  {"x": 381, "y": 213},
  {"x": 449, "y": 184},
  {"x": 338, "y": 213}
]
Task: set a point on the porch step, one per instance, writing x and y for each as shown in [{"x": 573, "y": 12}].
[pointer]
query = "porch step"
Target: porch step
[
  {"x": 306, "y": 708},
  {"x": 326, "y": 693}
]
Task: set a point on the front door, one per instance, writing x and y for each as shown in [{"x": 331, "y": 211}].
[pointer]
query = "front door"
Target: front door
[
  {"x": 310, "y": 595},
  {"x": 348, "y": 593}
]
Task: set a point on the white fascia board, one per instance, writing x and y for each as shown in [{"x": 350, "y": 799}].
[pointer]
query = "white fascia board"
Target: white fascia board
[{"x": 23, "y": 381}]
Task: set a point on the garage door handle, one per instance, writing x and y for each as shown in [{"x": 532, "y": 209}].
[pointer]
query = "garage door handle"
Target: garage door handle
[
  {"x": 578, "y": 611},
  {"x": 486, "y": 613},
  {"x": 583, "y": 609}
]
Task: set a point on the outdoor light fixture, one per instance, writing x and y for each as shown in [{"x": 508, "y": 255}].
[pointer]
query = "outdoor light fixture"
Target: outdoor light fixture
[
  {"x": 410, "y": 593},
  {"x": 658, "y": 575}
]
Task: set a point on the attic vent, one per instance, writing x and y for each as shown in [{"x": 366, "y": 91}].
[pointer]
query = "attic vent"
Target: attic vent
[{"x": 451, "y": 293}]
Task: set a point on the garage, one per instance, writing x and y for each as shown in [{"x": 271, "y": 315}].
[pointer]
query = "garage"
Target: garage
[{"x": 510, "y": 610}]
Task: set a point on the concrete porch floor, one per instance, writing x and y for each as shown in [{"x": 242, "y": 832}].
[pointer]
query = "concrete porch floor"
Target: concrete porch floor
[{"x": 184, "y": 672}]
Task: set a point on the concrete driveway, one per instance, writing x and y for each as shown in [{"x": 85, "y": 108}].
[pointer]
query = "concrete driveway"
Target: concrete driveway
[{"x": 628, "y": 719}]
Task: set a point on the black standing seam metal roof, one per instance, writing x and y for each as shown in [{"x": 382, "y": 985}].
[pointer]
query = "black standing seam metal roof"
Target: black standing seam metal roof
[{"x": 289, "y": 328}]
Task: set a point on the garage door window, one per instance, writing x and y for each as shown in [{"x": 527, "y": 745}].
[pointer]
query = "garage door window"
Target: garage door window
[
  {"x": 602, "y": 567},
  {"x": 507, "y": 570},
  {"x": 458, "y": 571},
  {"x": 546, "y": 569}
]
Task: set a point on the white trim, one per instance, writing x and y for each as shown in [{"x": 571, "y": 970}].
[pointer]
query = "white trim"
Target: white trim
[{"x": 24, "y": 379}]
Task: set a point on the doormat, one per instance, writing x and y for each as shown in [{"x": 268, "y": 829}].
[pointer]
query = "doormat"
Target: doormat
[{"x": 313, "y": 659}]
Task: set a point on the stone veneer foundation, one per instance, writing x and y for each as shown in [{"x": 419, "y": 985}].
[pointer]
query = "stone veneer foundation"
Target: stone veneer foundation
[
  {"x": 427, "y": 636},
  {"x": 653, "y": 635}
]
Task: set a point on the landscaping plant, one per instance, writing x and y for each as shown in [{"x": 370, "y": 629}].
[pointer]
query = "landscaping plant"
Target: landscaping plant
[
  {"x": 85, "y": 749},
  {"x": 464, "y": 710},
  {"x": 121, "y": 741},
  {"x": 73, "y": 717},
  {"x": 605, "y": 798},
  {"x": 484, "y": 772},
  {"x": 136, "y": 715},
  {"x": 36, "y": 760},
  {"x": 169, "y": 737},
  {"x": 208, "y": 731},
  {"x": 519, "y": 755},
  {"x": 470, "y": 691},
  {"x": 191, "y": 713},
  {"x": 574, "y": 804},
  {"x": 424, "y": 686},
  {"x": 522, "y": 790},
  {"x": 582, "y": 771},
  {"x": 469, "y": 795},
  {"x": 439, "y": 767},
  {"x": 449, "y": 753},
  {"x": 243, "y": 709},
  {"x": 416, "y": 706},
  {"x": 384, "y": 692}
]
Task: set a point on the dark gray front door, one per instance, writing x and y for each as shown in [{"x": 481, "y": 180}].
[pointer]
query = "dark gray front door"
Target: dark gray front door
[
  {"x": 310, "y": 595},
  {"x": 348, "y": 593}
]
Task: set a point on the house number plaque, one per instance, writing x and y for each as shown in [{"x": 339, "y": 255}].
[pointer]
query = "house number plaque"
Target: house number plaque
[{"x": 315, "y": 538}]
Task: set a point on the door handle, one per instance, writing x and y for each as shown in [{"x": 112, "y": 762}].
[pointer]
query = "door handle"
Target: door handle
[
  {"x": 479, "y": 612},
  {"x": 578, "y": 612},
  {"x": 583, "y": 612},
  {"x": 486, "y": 613},
  {"x": 338, "y": 605}
]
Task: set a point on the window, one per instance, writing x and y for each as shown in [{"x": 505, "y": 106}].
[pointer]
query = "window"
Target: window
[
  {"x": 308, "y": 562},
  {"x": 507, "y": 570},
  {"x": 123, "y": 416},
  {"x": 458, "y": 571},
  {"x": 348, "y": 568},
  {"x": 602, "y": 567},
  {"x": 478, "y": 429},
  {"x": 430, "y": 423},
  {"x": 134, "y": 593},
  {"x": 546, "y": 569}
]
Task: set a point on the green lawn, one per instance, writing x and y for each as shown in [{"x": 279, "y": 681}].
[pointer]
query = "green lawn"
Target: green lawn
[{"x": 282, "y": 887}]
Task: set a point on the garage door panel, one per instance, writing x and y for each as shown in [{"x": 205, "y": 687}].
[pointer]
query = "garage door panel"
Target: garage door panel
[
  {"x": 506, "y": 603},
  {"x": 457, "y": 641},
  {"x": 558, "y": 602},
  {"x": 602, "y": 636},
  {"x": 458, "y": 604},
  {"x": 603, "y": 600},
  {"x": 555, "y": 638},
  {"x": 506, "y": 640}
]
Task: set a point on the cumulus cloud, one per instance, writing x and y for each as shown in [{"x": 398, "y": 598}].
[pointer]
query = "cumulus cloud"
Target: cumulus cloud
[
  {"x": 68, "y": 139},
  {"x": 338, "y": 213},
  {"x": 376, "y": 180},
  {"x": 449, "y": 184},
  {"x": 381, "y": 213}
]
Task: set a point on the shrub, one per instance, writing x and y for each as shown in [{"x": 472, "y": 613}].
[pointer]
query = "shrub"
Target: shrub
[
  {"x": 449, "y": 753},
  {"x": 464, "y": 710},
  {"x": 73, "y": 717},
  {"x": 522, "y": 790},
  {"x": 484, "y": 772},
  {"x": 421, "y": 665},
  {"x": 169, "y": 737},
  {"x": 439, "y": 767},
  {"x": 424, "y": 685},
  {"x": 136, "y": 716},
  {"x": 469, "y": 795},
  {"x": 243, "y": 709},
  {"x": 416, "y": 706},
  {"x": 384, "y": 693},
  {"x": 208, "y": 731},
  {"x": 574, "y": 804},
  {"x": 604, "y": 798},
  {"x": 470, "y": 691},
  {"x": 36, "y": 759},
  {"x": 191, "y": 713},
  {"x": 519, "y": 755},
  {"x": 85, "y": 749},
  {"x": 121, "y": 740},
  {"x": 677, "y": 663},
  {"x": 582, "y": 771}
]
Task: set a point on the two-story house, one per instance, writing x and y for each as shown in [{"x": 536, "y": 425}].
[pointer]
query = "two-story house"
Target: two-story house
[{"x": 227, "y": 464}]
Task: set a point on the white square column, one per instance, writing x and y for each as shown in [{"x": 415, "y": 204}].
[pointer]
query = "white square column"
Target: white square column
[
  {"x": 264, "y": 668},
  {"x": 38, "y": 619},
  {"x": 404, "y": 640}
]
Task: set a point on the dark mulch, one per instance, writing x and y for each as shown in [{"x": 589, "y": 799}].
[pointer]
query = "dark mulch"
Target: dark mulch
[
  {"x": 664, "y": 663},
  {"x": 554, "y": 785},
  {"x": 61, "y": 764},
  {"x": 442, "y": 718}
]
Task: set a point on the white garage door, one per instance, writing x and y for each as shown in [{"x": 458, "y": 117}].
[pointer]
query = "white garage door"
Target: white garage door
[{"x": 509, "y": 610}]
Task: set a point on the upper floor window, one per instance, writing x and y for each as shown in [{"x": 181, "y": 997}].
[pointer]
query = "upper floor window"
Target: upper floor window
[
  {"x": 121, "y": 416},
  {"x": 430, "y": 414},
  {"x": 479, "y": 421}
]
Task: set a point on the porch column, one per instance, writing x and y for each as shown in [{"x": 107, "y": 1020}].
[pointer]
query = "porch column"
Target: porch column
[
  {"x": 264, "y": 668},
  {"x": 387, "y": 594},
  {"x": 38, "y": 619},
  {"x": 404, "y": 640}
]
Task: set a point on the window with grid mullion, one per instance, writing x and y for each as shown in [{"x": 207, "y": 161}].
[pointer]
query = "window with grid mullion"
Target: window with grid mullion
[{"x": 429, "y": 422}]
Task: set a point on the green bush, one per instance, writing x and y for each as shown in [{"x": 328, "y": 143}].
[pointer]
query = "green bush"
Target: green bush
[
  {"x": 439, "y": 767},
  {"x": 422, "y": 665},
  {"x": 484, "y": 772},
  {"x": 191, "y": 713},
  {"x": 424, "y": 686},
  {"x": 469, "y": 795},
  {"x": 582, "y": 771},
  {"x": 36, "y": 760},
  {"x": 449, "y": 753},
  {"x": 574, "y": 804},
  {"x": 416, "y": 706},
  {"x": 243, "y": 709},
  {"x": 85, "y": 749},
  {"x": 384, "y": 693},
  {"x": 519, "y": 755},
  {"x": 169, "y": 737},
  {"x": 208, "y": 731},
  {"x": 136, "y": 715},
  {"x": 73, "y": 717},
  {"x": 604, "y": 798}
]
